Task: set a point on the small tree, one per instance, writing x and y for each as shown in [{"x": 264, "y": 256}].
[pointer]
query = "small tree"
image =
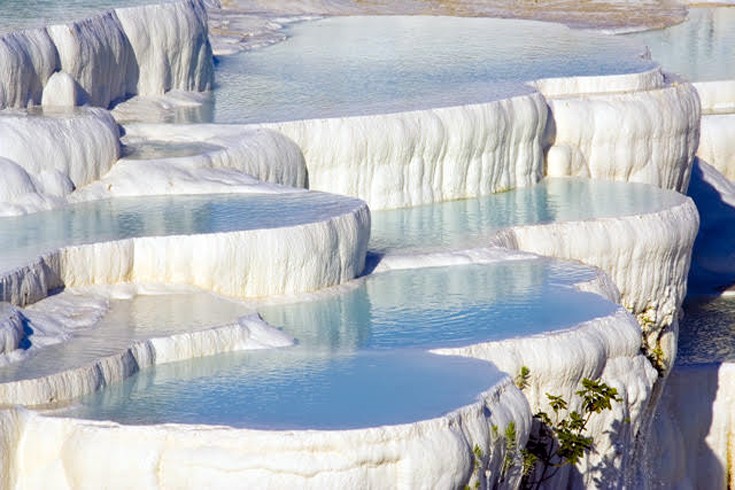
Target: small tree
[{"x": 561, "y": 439}]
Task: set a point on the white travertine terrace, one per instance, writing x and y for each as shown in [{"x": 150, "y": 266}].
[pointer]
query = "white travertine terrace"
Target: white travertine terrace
[
  {"x": 45, "y": 158},
  {"x": 248, "y": 157},
  {"x": 245, "y": 263},
  {"x": 694, "y": 429},
  {"x": 11, "y": 328},
  {"x": 609, "y": 348},
  {"x": 638, "y": 128},
  {"x": 647, "y": 257},
  {"x": 422, "y": 454},
  {"x": 247, "y": 333},
  {"x": 412, "y": 158},
  {"x": 625, "y": 137},
  {"x": 109, "y": 57}
]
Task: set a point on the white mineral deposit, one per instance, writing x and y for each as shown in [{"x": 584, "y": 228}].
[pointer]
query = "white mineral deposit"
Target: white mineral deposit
[{"x": 336, "y": 244}]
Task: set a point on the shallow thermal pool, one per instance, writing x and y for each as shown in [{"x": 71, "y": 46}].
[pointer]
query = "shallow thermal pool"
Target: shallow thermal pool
[
  {"x": 22, "y": 14},
  {"x": 369, "y": 65},
  {"x": 24, "y": 238},
  {"x": 700, "y": 48},
  {"x": 471, "y": 222},
  {"x": 707, "y": 332},
  {"x": 124, "y": 322},
  {"x": 360, "y": 358}
]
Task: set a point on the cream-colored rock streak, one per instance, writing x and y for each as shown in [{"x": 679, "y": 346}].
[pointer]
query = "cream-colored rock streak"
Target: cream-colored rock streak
[
  {"x": 428, "y": 453},
  {"x": 645, "y": 136},
  {"x": 412, "y": 158}
]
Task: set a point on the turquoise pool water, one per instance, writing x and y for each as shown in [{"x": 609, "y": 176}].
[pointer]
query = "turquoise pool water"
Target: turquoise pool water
[
  {"x": 127, "y": 321},
  {"x": 471, "y": 222},
  {"x": 369, "y": 65},
  {"x": 24, "y": 238},
  {"x": 21, "y": 14},
  {"x": 358, "y": 362},
  {"x": 700, "y": 49},
  {"x": 707, "y": 332}
]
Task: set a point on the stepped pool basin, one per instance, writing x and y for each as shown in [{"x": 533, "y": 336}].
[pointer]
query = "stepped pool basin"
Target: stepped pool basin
[
  {"x": 24, "y": 238},
  {"x": 348, "y": 66},
  {"x": 357, "y": 362},
  {"x": 18, "y": 14},
  {"x": 472, "y": 222},
  {"x": 124, "y": 322},
  {"x": 700, "y": 48}
]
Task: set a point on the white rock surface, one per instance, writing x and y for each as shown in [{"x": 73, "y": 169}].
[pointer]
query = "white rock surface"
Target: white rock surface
[
  {"x": 716, "y": 96},
  {"x": 717, "y": 143},
  {"x": 647, "y": 136},
  {"x": 240, "y": 264},
  {"x": 45, "y": 158},
  {"x": 695, "y": 428},
  {"x": 27, "y": 61},
  {"x": 606, "y": 84},
  {"x": 139, "y": 50},
  {"x": 232, "y": 159},
  {"x": 608, "y": 348},
  {"x": 412, "y": 158},
  {"x": 11, "y": 328},
  {"x": 247, "y": 333},
  {"x": 171, "y": 47},
  {"x": 433, "y": 453},
  {"x": 96, "y": 53},
  {"x": 646, "y": 256},
  {"x": 62, "y": 90}
]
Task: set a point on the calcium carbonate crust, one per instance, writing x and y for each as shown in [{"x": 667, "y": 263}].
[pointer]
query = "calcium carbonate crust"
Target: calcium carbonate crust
[
  {"x": 421, "y": 157},
  {"x": 647, "y": 136},
  {"x": 44, "y": 158},
  {"x": 130, "y": 51},
  {"x": 647, "y": 256},
  {"x": 247, "y": 333},
  {"x": 423, "y": 454},
  {"x": 694, "y": 428},
  {"x": 608, "y": 348},
  {"x": 241, "y": 264}
]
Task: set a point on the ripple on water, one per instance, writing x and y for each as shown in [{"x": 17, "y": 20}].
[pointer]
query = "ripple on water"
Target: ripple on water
[{"x": 369, "y": 65}]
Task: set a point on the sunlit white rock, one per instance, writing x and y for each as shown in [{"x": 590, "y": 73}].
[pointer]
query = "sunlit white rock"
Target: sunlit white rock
[
  {"x": 646, "y": 256},
  {"x": 27, "y": 61},
  {"x": 113, "y": 55},
  {"x": 695, "y": 428},
  {"x": 11, "y": 328},
  {"x": 718, "y": 96},
  {"x": 717, "y": 143},
  {"x": 232, "y": 159},
  {"x": 629, "y": 82},
  {"x": 248, "y": 263},
  {"x": 62, "y": 90},
  {"x": 170, "y": 45},
  {"x": 48, "y": 157},
  {"x": 412, "y": 158},
  {"x": 437, "y": 452},
  {"x": 247, "y": 333},
  {"x": 608, "y": 348},
  {"x": 646, "y": 136}
]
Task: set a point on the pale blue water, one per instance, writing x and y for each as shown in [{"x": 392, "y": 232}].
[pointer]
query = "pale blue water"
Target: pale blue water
[
  {"x": 701, "y": 48},
  {"x": 707, "y": 331},
  {"x": 357, "y": 363},
  {"x": 367, "y": 65},
  {"x": 24, "y": 238},
  {"x": 471, "y": 222},
  {"x": 288, "y": 389},
  {"x": 22, "y": 14},
  {"x": 140, "y": 318}
]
